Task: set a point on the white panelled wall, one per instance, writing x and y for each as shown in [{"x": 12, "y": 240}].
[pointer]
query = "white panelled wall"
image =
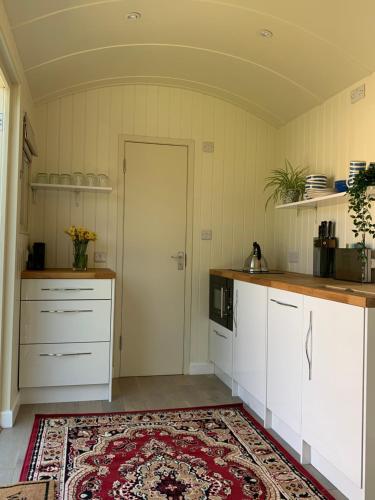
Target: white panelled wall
[
  {"x": 80, "y": 132},
  {"x": 325, "y": 140}
]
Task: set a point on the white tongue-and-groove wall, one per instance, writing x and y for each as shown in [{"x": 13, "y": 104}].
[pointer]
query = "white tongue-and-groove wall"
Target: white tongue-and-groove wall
[
  {"x": 324, "y": 140},
  {"x": 80, "y": 132}
]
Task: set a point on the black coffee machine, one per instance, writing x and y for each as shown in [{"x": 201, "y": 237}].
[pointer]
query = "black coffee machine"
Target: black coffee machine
[
  {"x": 36, "y": 258},
  {"x": 324, "y": 250}
]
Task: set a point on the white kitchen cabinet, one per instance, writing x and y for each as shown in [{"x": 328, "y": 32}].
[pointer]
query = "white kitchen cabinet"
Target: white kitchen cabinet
[
  {"x": 66, "y": 331},
  {"x": 53, "y": 321},
  {"x": 284, "y": 356},
  {"x": 220, "y": 347},
  {"x": 46, "y": 365},
  {"x": 333, "y": 383},
  {"x": 249, "y": 341}
]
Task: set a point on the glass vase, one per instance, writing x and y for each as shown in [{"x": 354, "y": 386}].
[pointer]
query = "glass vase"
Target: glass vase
[{"x": 80, "y": 256}]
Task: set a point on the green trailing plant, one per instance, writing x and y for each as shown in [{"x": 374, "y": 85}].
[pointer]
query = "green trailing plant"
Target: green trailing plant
[
  {"x": 359, "y": 209},
  {"x": 284, "y": 181}
]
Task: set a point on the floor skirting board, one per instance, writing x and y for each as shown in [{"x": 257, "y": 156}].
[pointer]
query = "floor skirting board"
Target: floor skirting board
[
  {"x": 8, "y": 417},
  {"x": 201, "y": 368},
  {"x": 65, "y": 394}
]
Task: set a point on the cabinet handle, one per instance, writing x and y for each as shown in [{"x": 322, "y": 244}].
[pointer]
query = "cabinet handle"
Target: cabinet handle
[
  {"x": 283, "y": 303},
  {"x": 67, "y": 289},
  {"x": 220, "y": 334},
  {"x": 59, "y": 311},
  {"x": 221, "y": 302},
  {"x": 235, "y": 318},
  {"x": 309, "y": 336},
  {"x": 64, "y": 354}
]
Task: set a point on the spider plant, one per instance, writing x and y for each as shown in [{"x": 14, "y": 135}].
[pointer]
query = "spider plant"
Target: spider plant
[{"x": 288, "y": 183}]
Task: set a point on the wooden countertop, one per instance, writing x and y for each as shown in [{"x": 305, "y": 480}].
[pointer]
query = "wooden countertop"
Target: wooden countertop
[
  {"x": 66, "y": 273},
  {"x": 361, "y": 295}
]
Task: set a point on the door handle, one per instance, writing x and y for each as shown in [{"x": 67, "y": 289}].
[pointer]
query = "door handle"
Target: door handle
[
  {"x": 235, "y": 318},
  {"x": 220, "y": 334},
  {"x": 59, "y": 311},
  {"x": 66, "y": 289},
  {"x": 283, "y": 303},
  {"x": 180, "y": 259},
  {"x": 309, "y": 336},
  {"x": 64, "y": 354}
]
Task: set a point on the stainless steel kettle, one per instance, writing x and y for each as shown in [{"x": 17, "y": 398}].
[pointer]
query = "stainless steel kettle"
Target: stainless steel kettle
[{"x": 256, "y": 263}]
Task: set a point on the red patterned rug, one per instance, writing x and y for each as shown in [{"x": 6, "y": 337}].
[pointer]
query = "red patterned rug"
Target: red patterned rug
[{"x": 193, "y": 454}]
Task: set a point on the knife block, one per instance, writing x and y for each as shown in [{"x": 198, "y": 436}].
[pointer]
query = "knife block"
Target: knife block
[{"x": 324, "y": 257}]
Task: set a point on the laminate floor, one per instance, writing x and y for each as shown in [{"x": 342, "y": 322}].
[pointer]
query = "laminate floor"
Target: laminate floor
[{"x": 130, "y": 393}]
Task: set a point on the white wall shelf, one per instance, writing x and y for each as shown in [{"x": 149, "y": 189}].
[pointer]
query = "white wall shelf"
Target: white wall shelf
[
  {"x": 68, "y": 187},
  {"x": 331, "y": 199}
]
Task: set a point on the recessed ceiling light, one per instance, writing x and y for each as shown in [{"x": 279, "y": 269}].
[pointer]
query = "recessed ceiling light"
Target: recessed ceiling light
[
  {"x": 265, "y": 33},
  {"x": 134, "y": 16}
]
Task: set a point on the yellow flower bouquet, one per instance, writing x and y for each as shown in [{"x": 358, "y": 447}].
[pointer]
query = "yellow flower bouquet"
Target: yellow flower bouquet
[{"x": 80, "y": 237}]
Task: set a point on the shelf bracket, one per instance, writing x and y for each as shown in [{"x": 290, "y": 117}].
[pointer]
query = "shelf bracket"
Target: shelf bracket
[{"x": 76, "y": 196}]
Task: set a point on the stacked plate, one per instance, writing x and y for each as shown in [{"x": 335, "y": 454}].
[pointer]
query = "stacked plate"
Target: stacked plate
[
  {"x": 316, "y": 186},
  {"x": 354, "y": 169}
]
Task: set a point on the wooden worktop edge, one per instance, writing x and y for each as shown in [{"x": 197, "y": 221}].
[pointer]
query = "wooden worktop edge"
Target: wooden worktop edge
[
  {"x": 64, "y": 273},
  {"x": 304, "y": 285}
]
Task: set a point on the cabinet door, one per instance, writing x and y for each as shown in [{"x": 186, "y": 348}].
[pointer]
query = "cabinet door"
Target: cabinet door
[
  {"x": 332, "y": 398},
  {"x": 284, "y": 358},
  {"x": 220, "y": 347},
  {"x": 249, "y": 350}
]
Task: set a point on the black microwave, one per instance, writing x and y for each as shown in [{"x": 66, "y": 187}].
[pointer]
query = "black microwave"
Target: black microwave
[{"x": 221, "y": 301}]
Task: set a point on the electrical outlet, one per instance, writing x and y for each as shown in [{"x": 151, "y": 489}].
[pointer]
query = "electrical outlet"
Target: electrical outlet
[
  {"x": 100, "y": 257},
  {"x": 293, "y": 257},
  {"x": 358, "y": 93},
  {"x": 206, "y": 234},
  {"x": 208, "y": 147}
]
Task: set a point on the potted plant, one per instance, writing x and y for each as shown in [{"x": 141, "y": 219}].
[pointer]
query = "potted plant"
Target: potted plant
[
  {"x": 288, "y": 184},
  {"x": 80, "y": 238},
  {"x": 359, "y": 209}
]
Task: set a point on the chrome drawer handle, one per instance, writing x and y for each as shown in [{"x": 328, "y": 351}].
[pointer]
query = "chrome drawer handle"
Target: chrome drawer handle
[
  {"x": 67, "y": 289},
  {"x": 58, "y": 311},
  {"x": 64, "y": 354},
  {"x": 283, "y": 303},
  {"x": 220, "y": 334},
  {"x": 309, "y": 336}
]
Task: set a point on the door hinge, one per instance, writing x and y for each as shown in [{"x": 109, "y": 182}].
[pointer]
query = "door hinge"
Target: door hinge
[
  {"x": 124, "y": 165},
  {"x": 120, "y": 342}
]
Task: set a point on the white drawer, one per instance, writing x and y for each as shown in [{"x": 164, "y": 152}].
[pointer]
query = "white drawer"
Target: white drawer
[
  {"x": 221, "y": 342},
  {"x": 59, "y": 289},
  {"x": 46, "y": 365},
  {"x": 45, "y": 321}
]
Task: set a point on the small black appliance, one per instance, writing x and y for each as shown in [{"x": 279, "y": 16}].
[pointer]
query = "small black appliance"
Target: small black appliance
[
  {"x": 221, "y": 301},
  {"x": 36, "y": 258}
]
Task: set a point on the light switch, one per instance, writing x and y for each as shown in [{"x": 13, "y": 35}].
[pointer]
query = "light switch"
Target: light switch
[
  {"x": 206, "y": 234},
  {"x": 100, "y": 257},
  {"x": 293, "y": 257},
  {"x": 208, "y": 147}
]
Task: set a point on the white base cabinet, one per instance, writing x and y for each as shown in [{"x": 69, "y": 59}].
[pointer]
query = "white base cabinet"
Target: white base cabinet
[
  {"x": 333, "y": 383},
  {"x": 306, "y": 365},
  {"x": 249, "y": 340},
  {"x": 66, "y": 331},
  {"x": 284, "y": 357},
  {"x": 220, "y": 348}
]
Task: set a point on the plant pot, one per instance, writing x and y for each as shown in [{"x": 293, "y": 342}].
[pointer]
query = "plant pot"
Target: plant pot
[{"x": 290, "y": 196}]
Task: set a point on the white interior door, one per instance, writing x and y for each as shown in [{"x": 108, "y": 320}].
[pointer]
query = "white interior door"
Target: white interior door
[{"x": 154, "y": 278}]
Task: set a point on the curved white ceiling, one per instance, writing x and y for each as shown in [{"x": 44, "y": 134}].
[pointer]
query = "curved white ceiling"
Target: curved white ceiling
[{"x": 213, "y": 46}]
